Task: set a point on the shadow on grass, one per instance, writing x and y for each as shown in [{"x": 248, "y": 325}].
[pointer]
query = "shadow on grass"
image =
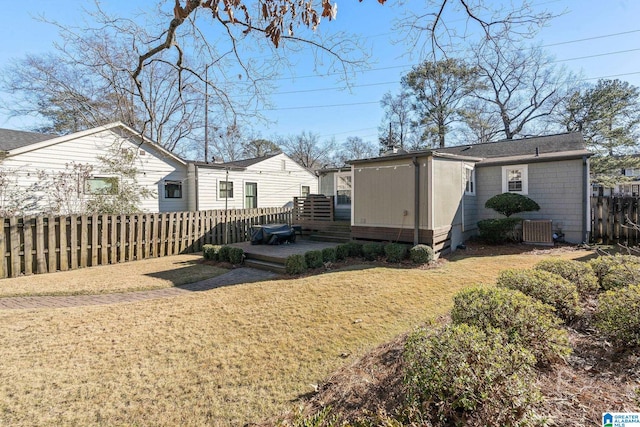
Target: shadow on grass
[{"x": 477, "y": 249}]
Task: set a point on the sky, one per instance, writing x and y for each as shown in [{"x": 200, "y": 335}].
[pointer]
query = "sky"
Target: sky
[{"x": 593, "y": 38}]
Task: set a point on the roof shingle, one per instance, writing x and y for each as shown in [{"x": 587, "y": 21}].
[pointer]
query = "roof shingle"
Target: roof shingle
[{"x": 12, "y": 139}]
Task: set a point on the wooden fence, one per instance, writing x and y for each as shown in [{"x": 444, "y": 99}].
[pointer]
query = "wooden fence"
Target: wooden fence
[
  {"x": 612, "y": 219},
  {"x": 42, "y": 244}
]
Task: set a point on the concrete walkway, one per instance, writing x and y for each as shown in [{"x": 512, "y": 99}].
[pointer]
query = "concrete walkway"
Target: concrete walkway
[{"x": 233, "y": 277}]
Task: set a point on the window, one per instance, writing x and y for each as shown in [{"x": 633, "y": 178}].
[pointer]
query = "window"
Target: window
[
  {"x": 251, "y": 195},
  {"x": 343, "y": 189},
  {"x": 470, "y": 180},
  {"x": 101, "y": 185},
  {"x": 226, "y": 189},
  {"x": 515, "y": 179},
  {"x": 305, "y": 191},
  {"x": 173, "y": 189}
]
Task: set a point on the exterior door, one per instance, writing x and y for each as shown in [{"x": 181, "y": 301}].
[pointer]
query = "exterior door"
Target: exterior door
[{"x": 250, "y": 195}]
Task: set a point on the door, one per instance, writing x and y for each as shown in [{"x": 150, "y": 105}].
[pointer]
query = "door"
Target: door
[{"x": 250, "y": 195}]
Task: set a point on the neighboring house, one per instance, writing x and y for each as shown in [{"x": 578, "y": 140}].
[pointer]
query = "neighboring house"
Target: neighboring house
[
  {"x": 336, "y": 182},
  {"x": 437, "y": 196},
  {"x": 175, "y": 185},
  {"x": 269, "y": 181},
  {"x": 27, "y": 156}
]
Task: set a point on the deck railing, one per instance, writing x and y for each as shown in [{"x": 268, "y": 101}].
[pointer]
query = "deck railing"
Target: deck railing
[{"x": 313, "y": 209}]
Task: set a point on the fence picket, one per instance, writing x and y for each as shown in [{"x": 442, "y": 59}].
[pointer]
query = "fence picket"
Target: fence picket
[
  {"x": 28, "y": 246},
  {"x": 64, "y": 258},
  {"x": 41, "y": 260},
  {"x": 3, "y": 251},
  {"x": 46, "y": 243}
]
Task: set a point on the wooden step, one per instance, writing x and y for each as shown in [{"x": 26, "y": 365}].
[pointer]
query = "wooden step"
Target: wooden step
[{"x": 265, "y": 265}]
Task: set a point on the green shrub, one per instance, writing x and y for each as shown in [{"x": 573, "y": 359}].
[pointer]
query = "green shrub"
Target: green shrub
[
  {"x": 576, "y": 272},
  {"x": 547, "y": 287},
  {"x": 616, "y": 271},
  {"x": 421, "y": 254},
  {"x": 462, "y": 375},
  {"x": 511, "y": 203},
  {"x": 396, "y": 252},
  {"x": 313, "y": 259},
  {"x": 618, "y": 315},
  {"x": 223, "y": 254},
  {"x": 295, "y": 264},
  {"x": 525, "y": 320},
  {"x": 329, "y": 255},
  {"x": 371, "y": 251},
  {"x": 236, "y": 255},
  {"x": 210, "y": 252},
  {"x": 342, "y": 252},
  {"x": 355, "y": 249},
  {"x": 497, "y": 231}
]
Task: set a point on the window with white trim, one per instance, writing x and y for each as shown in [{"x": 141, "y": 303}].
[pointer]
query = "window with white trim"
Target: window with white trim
[
  {"x": 470, "y": 180},
  {"x": 101, "y": 185},
  {"x": 305, "y": 190},
  {"x": 343, "y": 188},
  {"x": 515, "y": 179},
  {"x": 226, "y": 189}
]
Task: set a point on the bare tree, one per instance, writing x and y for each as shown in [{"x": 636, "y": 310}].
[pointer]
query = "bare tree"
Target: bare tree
[
  {"x": 307, "y": 150},
  {"x": 436, "y": 29},
  {"x": 259, "y": 147},
  {"x": 353, "y": 148},
  {"x": 521, "y": 85},
  {"x": 395, "y": 129},
  {"x": 86, "y": 83}
]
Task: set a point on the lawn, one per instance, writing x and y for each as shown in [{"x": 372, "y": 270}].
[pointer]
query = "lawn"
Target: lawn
[
  {"x": 149, "y": 274},
  {"x": 227, "y": 356}
]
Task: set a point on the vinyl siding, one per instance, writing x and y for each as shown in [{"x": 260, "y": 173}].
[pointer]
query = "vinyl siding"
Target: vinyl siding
[
  {"x": 153, "y": 169},
  {"x": 276, "y": 186},
  {"x": 555, "y": 186}
]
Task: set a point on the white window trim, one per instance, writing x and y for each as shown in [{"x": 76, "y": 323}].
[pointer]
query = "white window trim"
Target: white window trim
[
  {"x": 303, "y": 185},
  {"x": 244, "y": 192},
  {"x": 473, "y": 180},
  {"x": 101, "y": 176},
  {"x": 336, "y": 177},
  {"x": 525, "y": 179},
  {"x": 218, "y": 190}
]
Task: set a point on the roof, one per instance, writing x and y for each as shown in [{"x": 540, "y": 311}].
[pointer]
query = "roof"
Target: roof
[
  {"x": 534, "y": 149},
  {"x": 248, "y": 162},
  {"x": 235, "y": 164},
  {"x": 564, "y": 142},
  {"x": 30, "y": 141},
  {"x": 12, "y": 139}
]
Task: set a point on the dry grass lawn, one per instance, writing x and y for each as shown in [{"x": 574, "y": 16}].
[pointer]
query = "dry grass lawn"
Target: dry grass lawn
[
  {"x": 227, "y": 356},
  {"x": 149, "y": 274}
]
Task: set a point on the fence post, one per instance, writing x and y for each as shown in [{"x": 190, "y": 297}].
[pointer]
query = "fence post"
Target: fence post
[{"x": 3, "y": 250}]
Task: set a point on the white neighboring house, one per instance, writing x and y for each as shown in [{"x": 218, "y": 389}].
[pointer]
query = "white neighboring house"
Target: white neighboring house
[
  {"x": 24, "y": 154},
  {"x": 269, "y": 181}
]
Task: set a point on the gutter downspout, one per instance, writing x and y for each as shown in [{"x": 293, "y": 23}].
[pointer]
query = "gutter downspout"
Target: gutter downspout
[
  {"x": 416, "y": 201},
  {"x": 585, "y": 198}
]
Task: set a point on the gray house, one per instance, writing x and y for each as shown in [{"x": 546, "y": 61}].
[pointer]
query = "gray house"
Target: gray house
[{"x": 437, "y": 196}]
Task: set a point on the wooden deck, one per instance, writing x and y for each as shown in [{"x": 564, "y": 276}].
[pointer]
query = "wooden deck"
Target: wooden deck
[{"x": 273, "y": 257}]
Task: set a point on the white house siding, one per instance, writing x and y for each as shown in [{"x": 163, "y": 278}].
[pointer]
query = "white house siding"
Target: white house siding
[
  {"x": 555, "y": 186},
  {"x": 279, "y": 180},
  {"x": 86, "y": 150}
]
